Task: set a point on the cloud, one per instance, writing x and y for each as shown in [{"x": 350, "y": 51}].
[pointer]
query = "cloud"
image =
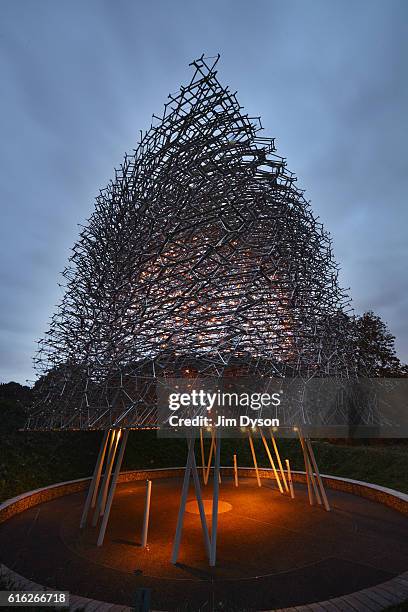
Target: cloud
[{"x": 81, "y": 79}]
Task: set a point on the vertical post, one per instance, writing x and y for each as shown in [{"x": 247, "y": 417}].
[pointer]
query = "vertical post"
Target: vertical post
[
  {"x": 271, "y": 461},
  {"x": 235, "y": 471},
  {"x": 275, "y": 447},
  {"x": 113, "y": 487},
  {"x": 251, "y": 444},
  {"x": 93, "y": 487},
  {"x": 184, "y": 493},
  {"x": 319, "y": 478},
  {"x": 292, "y": 492},
  {"x": 146, "y": 513},
  {"x": 214, "y": 522}
]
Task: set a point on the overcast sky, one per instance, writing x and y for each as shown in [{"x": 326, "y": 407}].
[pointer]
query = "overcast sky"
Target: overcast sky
[{"x": 79, "y": 79}]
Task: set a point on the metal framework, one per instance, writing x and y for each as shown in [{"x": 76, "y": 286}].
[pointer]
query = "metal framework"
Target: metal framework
[{"x": 202, "y": 256}]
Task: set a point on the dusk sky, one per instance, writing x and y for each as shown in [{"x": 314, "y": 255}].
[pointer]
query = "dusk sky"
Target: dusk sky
[{"x": 80, "y": 79}]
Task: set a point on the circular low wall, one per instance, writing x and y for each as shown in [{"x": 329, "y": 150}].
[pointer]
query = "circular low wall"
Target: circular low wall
[
  {"x": 380, "y": 597},
  {"x": 389, "y": 497}
]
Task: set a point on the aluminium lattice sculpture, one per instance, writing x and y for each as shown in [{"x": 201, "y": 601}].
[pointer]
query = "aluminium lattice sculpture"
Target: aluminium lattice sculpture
[
  {"x": 202, "y": 258},
  {"x": 202, "y": 254}
]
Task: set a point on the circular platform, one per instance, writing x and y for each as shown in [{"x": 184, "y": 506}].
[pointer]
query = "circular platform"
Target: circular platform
[{"x": 272, "y": 551}]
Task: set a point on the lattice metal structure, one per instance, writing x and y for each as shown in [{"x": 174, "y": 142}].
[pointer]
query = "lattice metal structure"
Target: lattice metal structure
[{"x": 203, "y": 258}]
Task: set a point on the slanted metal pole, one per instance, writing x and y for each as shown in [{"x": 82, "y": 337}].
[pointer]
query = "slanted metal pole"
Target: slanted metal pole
[
  {"x": 146, "y": 513},
  {"x": 93, "y": 487},
  {"x": 235, "y": 471},
  {"x": 214, "y": 522},
  {"x": 201, "y": 506},
  {"x": 310, "y": 471},
  {"x": 251, "y": 444},
  {"x": 113, "y": 487},
  {"x": 106, "y": 489},
  {"x": 184, "y": 493},
  {"x": 202, "y": 454},
  {"x": 100, "y": 506},
  {"x": 305, "y": 458},
  {"x": 209, "y": 461},
  {"x": 212, "y": 449},
  {"x": 292, "y": 492},
  {"x": 95, "y": 493},
  {"x": 271, "y": 461},
  {"x": 313, "y": 480},
  {"x": 319, "y": 478},
  {"x": 275, "y": 447}
]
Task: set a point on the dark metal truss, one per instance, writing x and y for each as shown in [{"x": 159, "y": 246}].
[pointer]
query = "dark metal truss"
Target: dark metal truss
[{"x": 202, "y": 258}]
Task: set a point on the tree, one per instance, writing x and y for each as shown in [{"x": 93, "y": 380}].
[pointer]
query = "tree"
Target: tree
[
  {"x": 375, "y": 348},
  {"x": 15, "y": 392}
]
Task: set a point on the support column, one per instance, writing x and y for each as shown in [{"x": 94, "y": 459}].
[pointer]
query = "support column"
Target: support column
[
  {"x": 113, "y": 486},
  {"x": 319, "y": 478},
  {"x": 271, "y": 461},
  {"x": 309, "y": 470},
  {"x": 214, "y": 522},
  {"x": 197, "y": 488},
  {"x": 305, "y": 458},
  {"x": 207, "y": 472},
  {"x": 275, "y": 447},
  {"x": 94, "y": 485},
  {"x": 289, "y": 473},
  {"x": 190, "y": 466},
  {"x": 202, "y": 455},
  {"x": 251, "y": 444},
  {"x": 313, "y": 479},
  {"x": 100, "y": 505}
]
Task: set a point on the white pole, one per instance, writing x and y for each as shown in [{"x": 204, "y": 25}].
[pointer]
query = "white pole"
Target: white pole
[
  {"x": 311, "y": 475},
  {"x": 95, "y": 493},
  {"x": 214, "y": 522},
  {"x": 235, "y": 471},
  {"x": 106, "y": 477},
  {"x": 202, "y": 454},
  {"x": 271, "y": 461},
  {"x": 93, "y": 487},
  {"x": 251, "y": 444},
  {"x": 201, "y": 507},
  {"x": 146, "y": 513},
  {"x": 319, "y": 478},
  {"x": 313, "y": 480},
  {"x": 309, "y": 487},
  {"x": 113, "y": 487},
  {"x": 106, "y": 489},
  {"x": 184, "y": 493},
  {"x": 279, "y": 461},
  {"x": 209, "y": 461},
  {"x": 292, "y": 492}
]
